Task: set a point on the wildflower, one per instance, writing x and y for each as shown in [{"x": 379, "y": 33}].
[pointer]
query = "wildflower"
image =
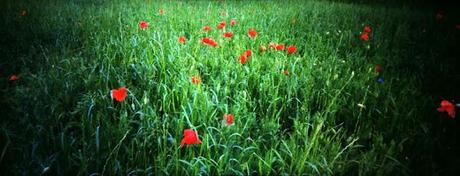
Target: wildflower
[
  {"x": 447, "y": 107},
  {"x": 162, "y": 11},
  {"x": 243, "y": 59},
  {"x": 367, "y": 29},
  {"x": 206, "y": 28},
  {"x": 13, "y": 78},
  {"x": 190, "y": 138},
  {"x": 291, "y": 49},
  {"x": 252, "y": 33},
  {"x": 143, "y": 25},
  {"x": 228, "y": 34},
  {"x": 233, "y": 22},
  {"x": 181, "y": 39},
  {"x": 280, "y": 47},
  {"x": 244, "y": 56},
  {"x": 209, "y": 41},
  {"x": 248, "y": 53},
  {"x": 364, "y": 37},
  {"x": 228, "y": 119},
  {"x": 119, "y": 94},
  {"x": 196, "y": 80},
  {"x": 221, "y": 25}
]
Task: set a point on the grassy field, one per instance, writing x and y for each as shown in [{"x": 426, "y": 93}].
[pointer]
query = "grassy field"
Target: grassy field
[{"x": 337, "y": 105}]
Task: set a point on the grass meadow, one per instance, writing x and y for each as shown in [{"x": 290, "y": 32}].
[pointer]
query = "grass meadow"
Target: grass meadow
[{"x": 331, "y": 102}]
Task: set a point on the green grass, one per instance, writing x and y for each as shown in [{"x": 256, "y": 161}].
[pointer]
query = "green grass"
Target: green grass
[{"x": 329, "y": 116}]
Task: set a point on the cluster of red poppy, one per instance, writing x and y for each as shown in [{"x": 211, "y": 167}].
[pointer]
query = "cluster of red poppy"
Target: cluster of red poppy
[
  {"x": 228, "y": 34},
  {"x": 280, "y": 47},
  {"x": 191, "y": 136},
  {"x": 365, "y": 34},
  {"x": 209, "y": 41},
  {"x": 245, "y": 55}
]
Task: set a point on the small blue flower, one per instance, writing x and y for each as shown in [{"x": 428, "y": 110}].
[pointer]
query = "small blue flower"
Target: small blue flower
[{"x": 380, "y": 80}]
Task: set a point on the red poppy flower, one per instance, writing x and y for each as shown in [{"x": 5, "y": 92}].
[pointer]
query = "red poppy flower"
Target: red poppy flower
[
  {"x": 228, "y": 34},
  {"x": 228, "y": 119},
  {"x": 248, "y": 53},
  {"x": 221, "y": 25},
  {"x": 280, "y": 47},
  {"x": 233, "y": 22},
  {"x": 286, "y": 72},
  {"x": 378, "y": 68},
  {"x": 262, "y": 48},
  {"x": 206, "y": 28},
  {"x": 143, "y": 25},
  {"x": 181, "y": 39},
  {"x": 190, "y": 138},
  {"x": 364, "y": 37},
  {"x": 209, "y": 41},
  {"x": 162, "y": 11},
  {"x": 196, "y": 80},
  {"x": 13, "y": 78},
  {"x": 119, "y": 94},
  {"x": 291, "y": 49},
  {"x": 243, "y": 59},
  {"x": 447, "y": 107},
  {"x": 252, "y": 33},
  {"x": 367, "y": 29}
]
